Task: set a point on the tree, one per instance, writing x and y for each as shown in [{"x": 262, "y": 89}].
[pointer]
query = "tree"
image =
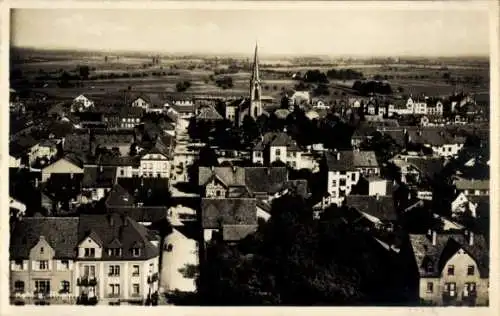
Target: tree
[
  {"x": 250, "y": 129},
  {"x": 207, "y": 157},
  {"x": 182, "y": 86},
  {"x": 84, "y": 72}
]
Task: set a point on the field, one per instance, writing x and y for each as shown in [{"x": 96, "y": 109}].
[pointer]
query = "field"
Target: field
[{"x": 117, "y": 73}]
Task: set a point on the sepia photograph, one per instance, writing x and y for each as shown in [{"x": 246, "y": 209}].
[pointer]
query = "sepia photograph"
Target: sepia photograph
[{"x": 261, "y": 156}]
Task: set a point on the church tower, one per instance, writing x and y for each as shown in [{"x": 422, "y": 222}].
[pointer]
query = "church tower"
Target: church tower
[{"x": 255, "y": 108}]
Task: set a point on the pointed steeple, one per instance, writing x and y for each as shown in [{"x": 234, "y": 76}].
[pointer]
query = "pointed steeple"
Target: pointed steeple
[{"x": 255, "y": 68}]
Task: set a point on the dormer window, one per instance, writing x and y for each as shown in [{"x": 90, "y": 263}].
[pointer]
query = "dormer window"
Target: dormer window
[
  {"x": 114, "y": 252},
  {"x": 89, "y": 252},
  {"x": 136, "y": 252},
  {"x": 41, "y": 250}
]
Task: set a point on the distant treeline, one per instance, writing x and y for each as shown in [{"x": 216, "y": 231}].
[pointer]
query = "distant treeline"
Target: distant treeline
[
  {"x": 372, "y": 87},
  {"x": 316, "y": 76}
]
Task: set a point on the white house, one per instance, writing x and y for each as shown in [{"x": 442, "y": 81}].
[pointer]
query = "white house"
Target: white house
[
  {"x": 154, "y": 163},
  {"x": 80, "y": 103},
  {"x": 344, "y": 171}
]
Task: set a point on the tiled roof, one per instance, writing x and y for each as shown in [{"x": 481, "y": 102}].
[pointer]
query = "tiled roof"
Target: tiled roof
[
  {"x": 429, "y": 166},
  {"x": 217, "y": 212},
  {"x": 129, "y": 233},
  {"x": 143, "y": 213},
  {"x": 381, "y": 207},
  {"x": 119, "y": 197},
  {"x": 446, "y": 246},
  {"x": 98, "y": 177},
  {"x": 350, "y": 160},
  {"x": 60, "y": 232},
  {"x": 263, "y": 179},
  {"x": 76, "y": 142},
  {"x": 149, "y": 191},
  {"x": 237, "y": 232},
  {"x": 107, "y": 160},
  {"x": 464, "y": 184},
  {"x": 228, "y": 175},
  {"x": 277, "y": 139}
]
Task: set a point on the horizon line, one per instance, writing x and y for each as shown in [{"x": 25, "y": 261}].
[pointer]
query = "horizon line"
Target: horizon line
[{"x": 241, "y": 54}]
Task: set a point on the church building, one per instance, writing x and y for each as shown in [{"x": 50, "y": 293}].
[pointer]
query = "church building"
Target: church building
[{"x": 238, "y": 109}]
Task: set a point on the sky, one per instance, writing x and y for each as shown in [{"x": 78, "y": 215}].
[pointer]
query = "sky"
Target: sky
[{"x": 338, "y": 32}]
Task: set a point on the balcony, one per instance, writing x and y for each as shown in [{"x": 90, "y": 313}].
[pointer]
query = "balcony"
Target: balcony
[
  {"x": 153, "y": 277},
  {"x": 86, "y": 281}
]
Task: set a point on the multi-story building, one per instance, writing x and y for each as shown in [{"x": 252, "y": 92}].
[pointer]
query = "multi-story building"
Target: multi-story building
[
  {"x": 344, "y": 171},
  {"x": 279, "y": 147},
  {"x": 100, "y": 258},
  {"x": 453, "y": 269},
  {"x": 154, "y": 163}
]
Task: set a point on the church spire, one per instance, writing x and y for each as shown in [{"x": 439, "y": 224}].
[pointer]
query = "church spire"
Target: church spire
[{"x": 255, "y": 68}]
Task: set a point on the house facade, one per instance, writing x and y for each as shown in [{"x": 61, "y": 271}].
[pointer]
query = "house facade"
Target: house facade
[
  {"x": 453, "y": 268},
  {"x": 105, "y": 258},
  {"x": 65, "y": 165}
]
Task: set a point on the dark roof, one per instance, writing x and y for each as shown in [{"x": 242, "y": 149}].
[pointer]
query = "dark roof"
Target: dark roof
[
  {"x": 142, "y": 214},
  {"x": 128, "y": 232},
  {"x": 381, "y": 207},
  {"x": 298, "y": 186},
  {"x": 76, "y": 142},
  {"x": 276, "y": 139},
  {"x": 446, "y": 246},
  {"x": 98, "y": 177},
  {"x": 119, "y": 197},
  {"x": 264, "y": 179},
  {"x": 350, "y": 160},
  {"x": 230, "y": 176},
  {"x": 61, "y": 233},
  {"x": 237, "y": 232},
  {"x": 149, "y": 191},
  {"x": 113, "y": 138},
  {"x": 217, "y": 212},
  {"x": 108, "y": 160},
  {"x": 428, "y": 166}
]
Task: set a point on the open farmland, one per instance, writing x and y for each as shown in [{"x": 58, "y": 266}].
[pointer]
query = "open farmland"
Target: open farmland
[{"x": 117, "y": 73}]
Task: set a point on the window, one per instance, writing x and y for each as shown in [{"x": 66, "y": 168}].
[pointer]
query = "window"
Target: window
[
  {"x": 278, "y": 152},
  {"x": 151, "y": 267},
  {"x": 41, "y": 250},
  {"x": 114, "y": 270},
  {"x": 334, "y": 194},
  {"x": 450, "y": 287},
  {"x": 470, "y": 287},
  {"x": 353, "y": 177},
  {"x": 89, "y": 252},
  {"x": 18, "y": 265},
  {"x": 430, "y": 287},
  {"x": 217, "y": 193},
  {"x": 341, "y": 193},
  {"x": 430, "y": 267},
  {"x": 334, "y": 183},
  {"x": 64, "y": 286},
  {"x": 88, "y": 271},
  {"x": 114, "y": 289},
  {"x": 42, "y": 286},
  {"x": 135, "y": 270},
  {"x": 64, "y": 264},
  {"x": 43, "y": 265},
  {"x": 19, "y": 287},
  {"x": 122, "y": 172},
  {"x": 451, "y": 270},
  {"x": 136, "y": 252},
  {"x": 342, "y": 182},
  {"x": 114, "y": 252},
  {"x": 470, "y": 270},
  {"x": 135, "y": 289}
]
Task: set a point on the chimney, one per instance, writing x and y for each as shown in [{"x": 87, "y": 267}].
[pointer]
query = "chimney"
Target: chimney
[
  {"x": 471, "y": 239},
  {"x": 434, "y": 237},
  {"x": 338, "y": 156}
]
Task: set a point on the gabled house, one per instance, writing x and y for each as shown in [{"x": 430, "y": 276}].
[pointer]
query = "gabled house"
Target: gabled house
[
  {"x": 42, "y": 260},
  {"x": 69, "y": 164},
  {"x": 278, "y": 147},
  {"x": 96, "y": 182},
  {"x": 208, "y": 113},
  {"x": 230, "y": 219},
  {"x": 344, "y": 171},
  {"x": 155, "y": 163},
  {"x": 453, "y": 269},
  {"x": 377, "y": 212}
]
